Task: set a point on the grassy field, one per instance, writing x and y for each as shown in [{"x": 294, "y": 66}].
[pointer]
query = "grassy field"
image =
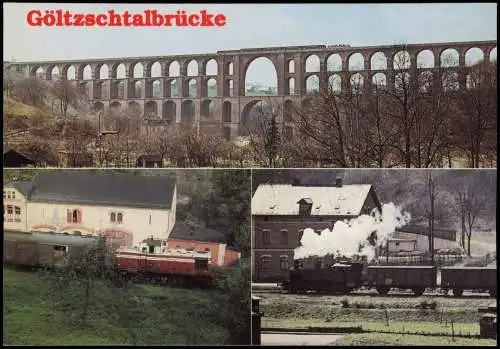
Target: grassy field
[
  {"x": 368, "y": 339},
  {"x": 137, "y": 315}
]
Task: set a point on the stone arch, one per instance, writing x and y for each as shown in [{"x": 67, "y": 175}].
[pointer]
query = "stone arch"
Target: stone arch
[
  {"x": 312, "y": 84},
  {"x": 211, "y": 67},
  {"x": 187, "y": 112},
  {"x": 118, "y": 89},
  {"x": 288, "y": 111},
  {"x": 402, "y": 60},
  {"x": 150, "y": 110},
  {"x": 70, "y": 72},
  {"x": 175, "y": 91},
  {"x": 98, "y": 90},
  {"x": 136, "y": 70},
  {"x": 254, "y": 74},
  {"x": 83, "y": 89},
  {"x": 229, "y": 68},
  {"x": 155, "y": 70},
  {"x": 313, "y": 64},
  {"x": 335, "y": 83},
  {"x": 53, "y": 73},
  {"x": 493, "y": 54},
  {"x": 291, "y": 86},
  {"x": 85, "y": 72},
  {"x": 379, "y": 82},
  {"x": 135, "y": 108},
  {"x": 250, "y": 115},
  {"x": 207, "y": 109},
  {"x": 425, "y": 59},
  {"x": 334, "y": 62},
  {"x": 229, "y": 88},
  {"x": 291, "y": 66},
  {"x": 449, "y": 58},
  {"x": 38, "y": 72},
  {"x": 378, "y": 61},
  {"x": 473, "y": 56},
  {"x": 211, "y": 88},
  {"x": 103, "y": 72},
  {"x": 115, "y": 108},
  {"x": 357, "y": 83},
  {"x": 356, "y": 61},
  {"x": 192, "y": 68},
  {"x": 118, "y": 71},
  {"x": 450, "y": 81},
  {"x": 98, "y": 107},
  {"x": 192, "y": 88},
  {"x": 401, "y": 81},
  {"x": 136, "y": 89},
  {"x": 169, "y": 111},
  {"x": 156, "y": 88},
  {"x": 226, "y": 112},
  {"x": 425, "y": 81},
  {"x": 174, "y": 69}
]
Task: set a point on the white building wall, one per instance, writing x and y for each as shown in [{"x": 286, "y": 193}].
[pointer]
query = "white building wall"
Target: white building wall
[
  {"x": 96, "y": 218},
  {"x": 423, "y": 241},
  {"x": 14, "y": 222}
]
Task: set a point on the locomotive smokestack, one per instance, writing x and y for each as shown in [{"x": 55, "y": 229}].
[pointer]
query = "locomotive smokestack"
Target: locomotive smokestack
[{"x": 338, "y": 182}]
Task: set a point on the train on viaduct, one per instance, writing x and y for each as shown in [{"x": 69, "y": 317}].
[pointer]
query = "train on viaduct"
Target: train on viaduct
[{"x": 188, "y": 88}]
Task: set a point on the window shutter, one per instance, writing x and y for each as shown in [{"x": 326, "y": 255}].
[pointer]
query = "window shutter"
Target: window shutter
[
  {"x": 68, "y": 215},
  {"x": 78, "y": 216}
]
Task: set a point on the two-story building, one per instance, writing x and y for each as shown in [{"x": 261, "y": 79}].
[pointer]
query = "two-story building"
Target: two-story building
[
  {"x": 125, "y": 207},
  {"x": 281, "y": 212}
]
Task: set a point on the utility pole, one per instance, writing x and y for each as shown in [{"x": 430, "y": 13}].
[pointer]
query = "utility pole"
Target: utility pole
[{"x": 432, "y": 195}]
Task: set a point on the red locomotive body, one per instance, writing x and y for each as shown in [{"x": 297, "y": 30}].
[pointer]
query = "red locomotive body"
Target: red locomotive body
[{"x": 155, "y": 259}]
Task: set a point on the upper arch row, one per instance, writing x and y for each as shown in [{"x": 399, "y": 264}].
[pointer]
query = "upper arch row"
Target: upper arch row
[{"x": 313, "y": 60}]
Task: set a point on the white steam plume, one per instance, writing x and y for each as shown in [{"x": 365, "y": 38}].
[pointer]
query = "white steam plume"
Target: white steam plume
[{"x": 347, "y": 236}]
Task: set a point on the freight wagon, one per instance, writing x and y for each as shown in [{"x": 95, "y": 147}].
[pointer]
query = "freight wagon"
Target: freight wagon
[
  {"x": 459, "y": 279},
  {"x": 416, "y": 278}
]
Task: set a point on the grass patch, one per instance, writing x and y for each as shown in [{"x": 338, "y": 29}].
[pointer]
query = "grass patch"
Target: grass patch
[
  {"x": 367, "y": 339},
  {"x": 139, "y": 314}
]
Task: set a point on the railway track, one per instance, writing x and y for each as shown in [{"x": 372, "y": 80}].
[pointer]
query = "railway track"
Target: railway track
[{"x": 370, "y": 293}]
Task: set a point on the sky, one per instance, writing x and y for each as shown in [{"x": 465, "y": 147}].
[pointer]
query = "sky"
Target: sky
[{"x": 248, "y": 25}]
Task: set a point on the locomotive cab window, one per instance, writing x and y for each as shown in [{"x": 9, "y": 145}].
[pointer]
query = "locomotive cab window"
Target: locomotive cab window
[{"x": 201, "y": 264}]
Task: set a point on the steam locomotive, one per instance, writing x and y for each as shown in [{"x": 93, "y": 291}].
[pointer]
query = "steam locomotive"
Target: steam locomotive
[
  {"x": 345, "y": 277},
  {"x": 152, "y": 260}
]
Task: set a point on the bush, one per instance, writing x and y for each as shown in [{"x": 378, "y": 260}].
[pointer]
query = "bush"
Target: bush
[
  {"x": 345, "y": 303},
  {"x": 433, "y": 305}
]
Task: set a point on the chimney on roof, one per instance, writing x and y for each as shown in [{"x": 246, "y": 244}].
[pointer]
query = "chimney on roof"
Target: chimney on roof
[{"x": 338, "y": 182}]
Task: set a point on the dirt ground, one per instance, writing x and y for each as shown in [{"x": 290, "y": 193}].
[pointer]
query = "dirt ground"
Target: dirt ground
[{"x": 274, "y": 338}]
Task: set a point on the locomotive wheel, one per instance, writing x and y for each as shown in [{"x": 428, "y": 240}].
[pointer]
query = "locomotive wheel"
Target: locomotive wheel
[
  {"x": 382, "y": 290},
  {"x": 419, "y": 291},
  {"x": 457, "y": 292},
  {"x": 493, "y": 293}
]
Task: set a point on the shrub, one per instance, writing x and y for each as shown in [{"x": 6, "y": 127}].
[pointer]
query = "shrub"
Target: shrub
[
  {"x": 433, "y": 305},
  {"x": 345, "y": 303}
]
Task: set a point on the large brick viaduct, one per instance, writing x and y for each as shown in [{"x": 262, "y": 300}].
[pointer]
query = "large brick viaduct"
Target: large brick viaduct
[{"x": 298, "y": 71}]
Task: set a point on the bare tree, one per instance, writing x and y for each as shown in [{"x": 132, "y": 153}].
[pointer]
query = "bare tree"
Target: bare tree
[
  {"x": 65, "y": 93},
  {"x": 30, "y": 91}
]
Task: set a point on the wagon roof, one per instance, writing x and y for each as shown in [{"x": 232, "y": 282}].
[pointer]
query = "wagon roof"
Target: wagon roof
[
  {"x": 470, "y": 268},
  {"x": 401, "y": 267},
  {"x": 115, "y": 189},
  {"x": 52, "y": 238}
]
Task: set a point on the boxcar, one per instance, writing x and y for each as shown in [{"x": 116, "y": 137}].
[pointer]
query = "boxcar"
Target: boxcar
[
  {"x": 337, "y": 278},
  {"x": 459, "y": 279},
  {"x": 43, "y": 249},
  {"x": 416, "y": 278}
]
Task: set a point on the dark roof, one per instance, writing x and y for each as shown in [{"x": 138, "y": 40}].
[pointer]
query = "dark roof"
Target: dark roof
[
  {"x": 115, "y": 189},
  {"x": 24, "y": 187},
  {"x": 183, "y": 231},
  {"x": 13, "y": 152}
]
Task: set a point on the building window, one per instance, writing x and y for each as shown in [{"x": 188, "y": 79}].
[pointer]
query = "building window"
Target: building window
[
  {"x": 74, "y": 216},
  {"x": 265, "y": 262},
  {"x": 266, "y": 237},
  {"x": 397, "y": 243},
  {"x": 17, "y": 212},
  {"x": 119, "y": 217},
  {"x": 112, "y": 217},
  {"x": 299, "y": 237},
  {"x": 13, "y": 194},
  {"x": 284, "y": 262},
  {"x": 10, "y": 212},
  {"x": 8, "y": 195},
  {"x": 149, "y": 219},
  {"x": 284, "y": 237}
]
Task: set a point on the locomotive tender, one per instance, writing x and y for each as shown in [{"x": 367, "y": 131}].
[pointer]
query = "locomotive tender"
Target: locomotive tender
[{"x": 347, "y": 277}]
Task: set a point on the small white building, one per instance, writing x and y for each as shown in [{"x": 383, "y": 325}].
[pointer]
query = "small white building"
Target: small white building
[
  {"x": 125, "y": 207},
  {"x": 401, "y": 245}
]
